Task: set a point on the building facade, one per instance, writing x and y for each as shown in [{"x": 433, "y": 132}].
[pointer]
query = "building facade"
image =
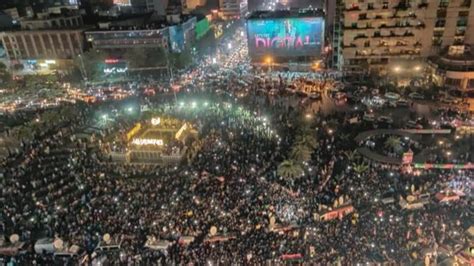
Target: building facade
[
  {"x": 43, "y": 44},
  {"x": 231, "y": 9},
  {"x": 173, "y": 38},
  {"x": 377, "y": 34}
]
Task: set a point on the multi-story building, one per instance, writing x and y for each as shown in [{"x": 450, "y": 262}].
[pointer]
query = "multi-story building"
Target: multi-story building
[
  {"x": 68, "y": 19},
  {"x": 170, "y": 37},
  {"x": 42, "y": 44},
  {"x": 379, "y": 33},
  {"x": 48, "y": 37},
  {"x": 230, "y": 9}
]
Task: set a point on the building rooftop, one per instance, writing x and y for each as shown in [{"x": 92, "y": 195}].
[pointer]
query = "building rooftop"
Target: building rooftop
[
  {"x": 135, "y": 23},
  {"x": 292, "y": 13}
]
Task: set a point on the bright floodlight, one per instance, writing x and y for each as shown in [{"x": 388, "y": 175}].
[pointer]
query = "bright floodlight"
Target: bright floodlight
[
  {"x": 214, "y": 60},
  {"x": 130, "y": 109},
  {"x": 229, "y": 45},
  {"x": 104, "y": 116},
  {"x": 417, "y": 68},
  {"x": 206, "y": 103},
  {"x": 193, "y": 104},
  {"x": 397, "y": 69}
]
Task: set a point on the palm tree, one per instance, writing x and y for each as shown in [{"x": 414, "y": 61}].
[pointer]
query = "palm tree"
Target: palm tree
[
  {"x": 308, "y": 140},
  {"x": 301, "y": 153},
  {"x": 360, "y": 168},
  {"x": 352, "y": 156},
  {"x": 289, "y": 169},
  {"x": 393, "y": 143}
]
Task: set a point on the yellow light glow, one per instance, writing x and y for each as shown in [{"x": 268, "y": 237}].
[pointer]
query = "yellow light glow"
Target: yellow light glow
[
  {"x": 155, "y": 121},
  {"x": 154, "y": 142}
]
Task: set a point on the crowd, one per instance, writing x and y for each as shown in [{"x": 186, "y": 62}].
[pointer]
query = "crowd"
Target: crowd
[
  {"x": 61, "y": 187},
  {"x": 230, "y": 197}
]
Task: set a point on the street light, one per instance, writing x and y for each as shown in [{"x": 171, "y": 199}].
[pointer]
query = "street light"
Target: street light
[
  {"x": 417, "y": 68},
  {"x": 397, "y": 69},
  {"x": 269, "y": 62}
]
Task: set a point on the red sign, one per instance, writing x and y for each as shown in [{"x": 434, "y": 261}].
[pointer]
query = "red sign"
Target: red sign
[
  {"x": 407, "y": 157},
  {"x": 111, "y": 61}
]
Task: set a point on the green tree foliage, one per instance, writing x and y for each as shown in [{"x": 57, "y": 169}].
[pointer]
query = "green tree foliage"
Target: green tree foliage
[{"x": 289, "y": 169}]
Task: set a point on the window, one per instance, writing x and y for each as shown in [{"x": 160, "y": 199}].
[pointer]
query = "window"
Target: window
[
  {"x": 464, "y": 14},
  {"x": 377, "y": 34},
  {"x": 354, "y": 25},
  {"x": 443, "y": 3},
  {"x": 440, "y": 23},
  {"x": 462, "y": 22},
  {"x": 466, "y": 3},
  {"x": 370, "y": 6},
  {"x": 441, "y": 13},
  {"x": 362, "y": 16}
]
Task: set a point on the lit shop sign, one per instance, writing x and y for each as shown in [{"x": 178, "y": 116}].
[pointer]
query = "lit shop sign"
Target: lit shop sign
[
  {"x": 113, "y": 70},
  {"x": 111, "y": 61},
  {"x": 154, "y": 142},
  {"x": 155, "y": 121}
]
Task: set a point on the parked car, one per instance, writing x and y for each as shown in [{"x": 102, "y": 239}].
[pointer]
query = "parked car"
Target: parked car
[
  {"x": 385, "y": 119},
  {"x": 402, "y": 103},
  {"x": 315, "y": 95},
  {"x": 369, "y": 117},
  {"x": 416, "y": 96}
]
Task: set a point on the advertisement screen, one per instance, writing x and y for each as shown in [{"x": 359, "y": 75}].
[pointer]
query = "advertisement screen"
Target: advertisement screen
[{"x": 286, "y": 37}]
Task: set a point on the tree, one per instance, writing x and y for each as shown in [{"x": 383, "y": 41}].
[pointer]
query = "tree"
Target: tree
[
  {"x": 308, "y": 140},
  {"x": 301, "y": 153},
  {"x": 393, "y": 143},
  {"x": 351, "y": 156},
  {"x": 360, "y": 168},
  {"x": 289, "y": 169}
]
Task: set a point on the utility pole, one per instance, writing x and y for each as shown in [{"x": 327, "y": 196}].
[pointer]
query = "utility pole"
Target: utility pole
[{"x": 170, "y": 74}]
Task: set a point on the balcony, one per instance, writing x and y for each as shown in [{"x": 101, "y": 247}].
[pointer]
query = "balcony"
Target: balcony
[
  {"x": 389, "y": 54},
  {"x": 466, "y": 4},
  {"x": 360, "y": 37},
  {"x": 423, "y": 5},
  {"x": 356, "y": 28},
  {"x": 393, "y": 35},
  {"x": 402, "y": 6},
  {"x": 352, "y": 8}
]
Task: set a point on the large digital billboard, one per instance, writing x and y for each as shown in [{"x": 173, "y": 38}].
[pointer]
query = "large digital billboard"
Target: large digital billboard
[{"x": 285, "y": 37}]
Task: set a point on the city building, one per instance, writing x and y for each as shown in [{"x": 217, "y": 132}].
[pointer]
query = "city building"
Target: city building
[
  {"x": 157, "y": 6},
  {"x": 377, "y": 34},
  {"x": 49, "y": 37},
  {"x": 49, "y": 20},
  {"x": 233, "y": 9},
  {"x": 454, "y": 69},
  {"x": 171, "y": 37},
  {"x": 334, "y": 20}
]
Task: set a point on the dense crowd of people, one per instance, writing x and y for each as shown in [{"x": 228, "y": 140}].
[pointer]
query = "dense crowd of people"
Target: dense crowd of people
[
  {"x": 230, "y": 199},
  {"x": 62, "y": 187}
]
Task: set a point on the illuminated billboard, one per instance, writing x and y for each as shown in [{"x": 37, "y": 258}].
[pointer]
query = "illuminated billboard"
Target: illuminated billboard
[{"x": 285, "y": 37}]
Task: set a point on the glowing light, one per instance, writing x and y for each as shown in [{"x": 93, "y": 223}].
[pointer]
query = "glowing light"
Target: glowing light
[
  {"x": 154, "y": 142},
  {"x": 156, "y": 121}
]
